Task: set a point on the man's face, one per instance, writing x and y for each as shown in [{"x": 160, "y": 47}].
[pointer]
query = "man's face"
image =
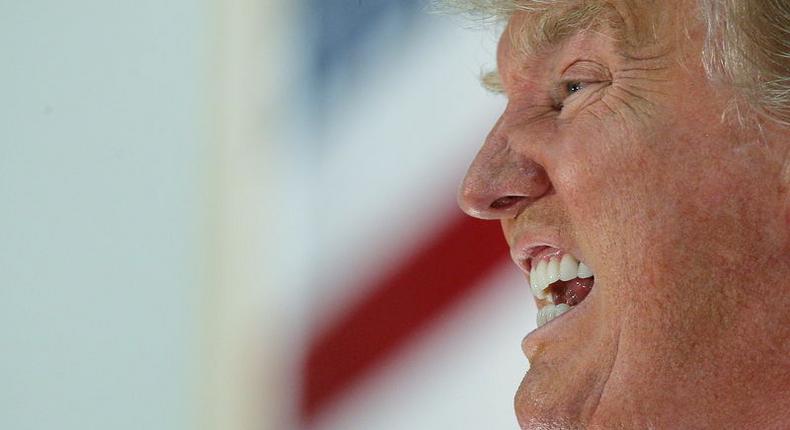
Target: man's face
[{"x": 620, "y": 157}]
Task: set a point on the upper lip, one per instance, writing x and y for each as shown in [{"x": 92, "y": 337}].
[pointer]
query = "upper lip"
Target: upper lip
[{"x": 529, "y": 246}]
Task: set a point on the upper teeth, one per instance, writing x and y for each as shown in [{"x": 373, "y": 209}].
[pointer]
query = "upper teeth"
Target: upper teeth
[{"x": 548, "y": 271}]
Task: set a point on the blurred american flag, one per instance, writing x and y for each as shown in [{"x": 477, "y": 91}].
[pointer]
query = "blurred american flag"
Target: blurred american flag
[{"x": 414, "y": 312}]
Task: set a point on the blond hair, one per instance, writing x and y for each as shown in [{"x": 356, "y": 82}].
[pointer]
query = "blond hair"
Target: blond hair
[
  {"x": 748, "y": 46},
  {"x": 747, "y": 43}
]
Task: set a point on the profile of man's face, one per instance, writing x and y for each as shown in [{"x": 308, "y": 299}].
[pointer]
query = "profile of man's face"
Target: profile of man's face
[{"x": 624, "y": 156}]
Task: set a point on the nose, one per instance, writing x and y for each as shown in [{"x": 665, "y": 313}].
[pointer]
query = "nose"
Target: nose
[{"x": 501, "y": 181}]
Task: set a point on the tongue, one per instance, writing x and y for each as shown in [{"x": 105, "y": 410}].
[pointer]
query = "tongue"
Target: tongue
[{"x": 572, "y": 292}]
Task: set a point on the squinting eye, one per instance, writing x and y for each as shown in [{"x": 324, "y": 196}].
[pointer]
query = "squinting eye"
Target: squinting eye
[
  {"x": 570, "y": 88},
  {"x": 574, "y": 86}
]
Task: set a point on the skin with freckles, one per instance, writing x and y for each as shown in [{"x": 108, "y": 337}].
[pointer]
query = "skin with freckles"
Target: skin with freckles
[{"x": 621, "y": 155}]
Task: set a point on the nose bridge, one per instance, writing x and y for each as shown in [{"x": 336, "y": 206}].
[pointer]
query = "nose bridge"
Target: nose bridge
[{"x": 504, "y": 177}]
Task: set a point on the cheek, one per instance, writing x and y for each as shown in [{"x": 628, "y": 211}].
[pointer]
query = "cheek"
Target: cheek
[
  {"x": 664, "y": 203},
  {"x": 732, "y": 206},
  {"x": 608, "y": 185}
]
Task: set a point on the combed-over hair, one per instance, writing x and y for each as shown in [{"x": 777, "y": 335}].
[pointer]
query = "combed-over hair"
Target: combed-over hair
[{"x": 747, "y": 43}]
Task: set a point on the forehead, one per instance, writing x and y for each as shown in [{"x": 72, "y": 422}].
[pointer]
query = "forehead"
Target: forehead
[
  {"x": 537, "y": 30},
  {"x": 532, "y": 37},
  {"x": 538, "y": 27},
  {"x": 535, "y": 25}
]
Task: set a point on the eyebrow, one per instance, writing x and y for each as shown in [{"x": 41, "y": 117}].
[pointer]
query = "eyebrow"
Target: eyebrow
[
  {"x": 550, "y": 25},
  {"x": 492, "y": 82}
]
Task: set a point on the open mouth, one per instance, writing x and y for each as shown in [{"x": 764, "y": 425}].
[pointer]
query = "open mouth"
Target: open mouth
[{"x": 558, "y": 280}]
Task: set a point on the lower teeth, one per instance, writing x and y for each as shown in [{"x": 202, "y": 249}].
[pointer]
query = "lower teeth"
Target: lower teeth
[{"x": 549, "y": 312}]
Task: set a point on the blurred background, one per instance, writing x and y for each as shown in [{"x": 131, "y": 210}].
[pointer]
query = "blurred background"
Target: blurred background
[{"x": 241, "y": 215}]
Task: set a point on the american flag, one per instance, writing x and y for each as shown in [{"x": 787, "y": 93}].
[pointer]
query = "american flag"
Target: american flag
[{"x": 414, "y": 311}]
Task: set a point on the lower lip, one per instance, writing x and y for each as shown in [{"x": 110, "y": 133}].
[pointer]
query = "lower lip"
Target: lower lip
[{"x": 551, "y": 330}]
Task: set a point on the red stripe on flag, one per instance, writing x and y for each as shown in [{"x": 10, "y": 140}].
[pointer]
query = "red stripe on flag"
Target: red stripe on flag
[{"x": 432, "y": 279}]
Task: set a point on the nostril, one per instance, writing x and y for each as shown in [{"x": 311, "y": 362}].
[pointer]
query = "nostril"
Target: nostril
[{"x": 505, "y": 202}]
